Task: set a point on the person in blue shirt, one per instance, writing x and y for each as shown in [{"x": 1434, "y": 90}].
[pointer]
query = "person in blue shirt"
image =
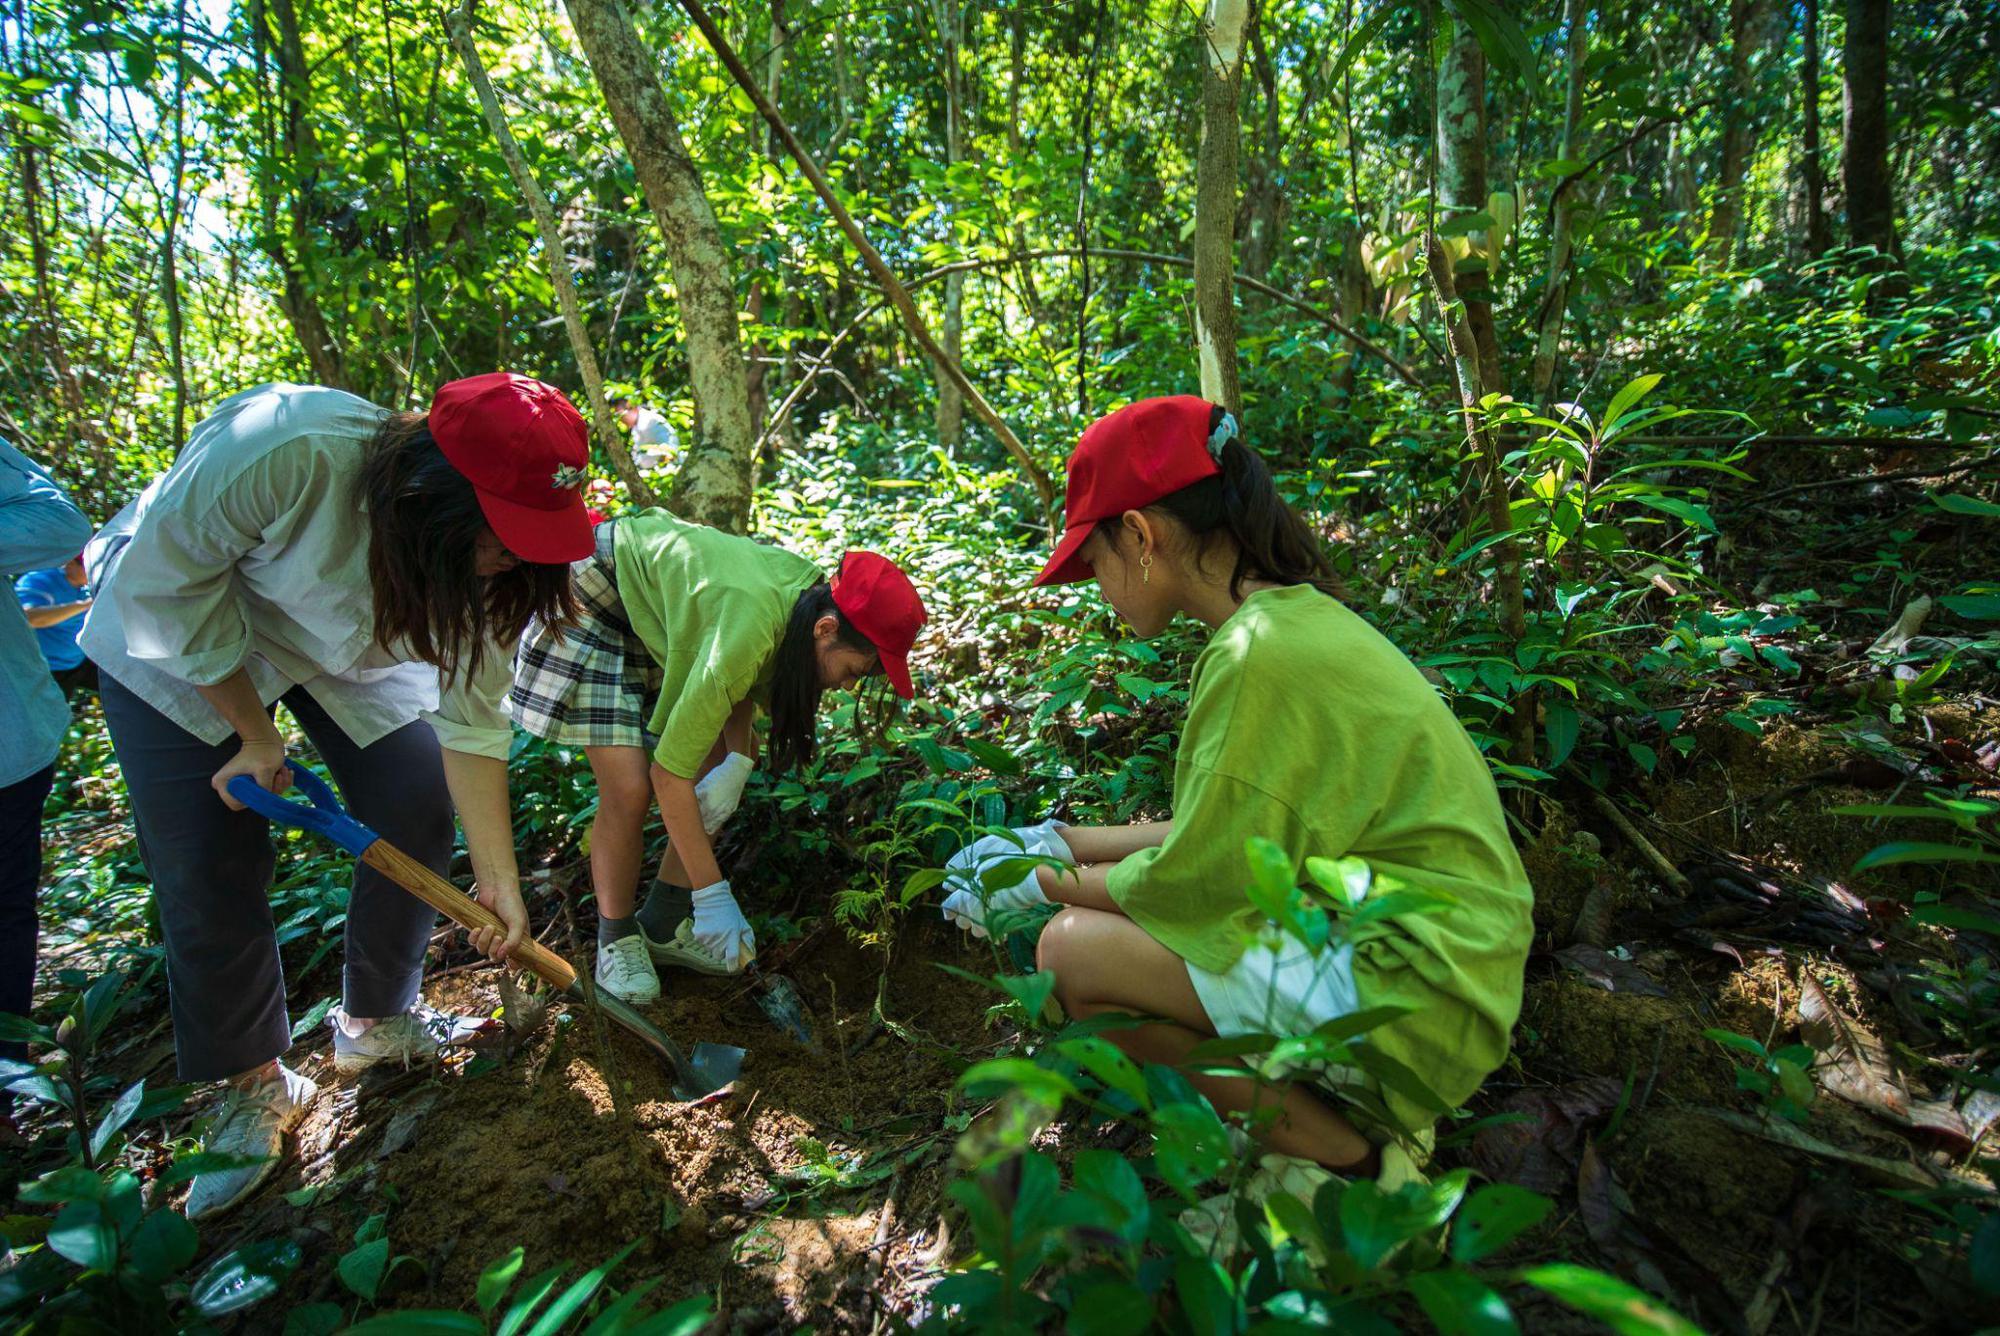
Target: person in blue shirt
[
  {"x": 39, "y": 526},
  {"x": 55, "y": 599}
]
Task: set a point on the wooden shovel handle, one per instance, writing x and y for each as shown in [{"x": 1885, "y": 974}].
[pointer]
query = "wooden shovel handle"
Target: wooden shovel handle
[{"x": 462, "y": 909}]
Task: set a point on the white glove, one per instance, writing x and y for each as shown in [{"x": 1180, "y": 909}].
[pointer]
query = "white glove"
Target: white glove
[
  {"x": 1028, "y": 841},
  {"x": 720, "y": 927},
  {"x": 969, "y": 905},
  {"x": 721, "y": 790}
]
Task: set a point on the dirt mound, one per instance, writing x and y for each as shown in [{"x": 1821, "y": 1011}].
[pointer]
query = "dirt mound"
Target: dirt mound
[{"x": 773, "y": 1195}]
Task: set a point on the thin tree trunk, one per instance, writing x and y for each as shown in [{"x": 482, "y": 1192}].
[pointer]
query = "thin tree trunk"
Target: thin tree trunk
[
  {"x": 878, "y": 268},
  {"x": 1215, "y": 203},
  {"x": 1494, "y": 489},
  {"x": 1261, "y": 223},
  {"x": 758, "y": 368},
  {"x": 718, "y": 475},
  {"x": 1555, "y": 300},
  {"x": 459, "y": 25},
  {"x": 300, "y": 303},
  {"x": 1871, "y": 202},
  {"x": 1739, "y": 133},
  {"x": 1461, "y": 156},
  {"x": 949, "y": 16},
  {"x": 1810, "y": 166},
  {"x": 170, "y": 278},
  {"x": 48, "y": 323}
]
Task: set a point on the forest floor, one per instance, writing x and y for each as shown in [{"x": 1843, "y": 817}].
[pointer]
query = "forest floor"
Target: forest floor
[
  {"x": 812, "y": 1191},
  {"x": 1714, "y": 895}
]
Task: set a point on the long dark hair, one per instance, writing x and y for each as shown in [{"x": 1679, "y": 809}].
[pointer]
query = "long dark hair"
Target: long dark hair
[
  {"x": 1272, "y": 542},
  {"x": 424, "y": 527},
  {"x": 795, "y": 685}
]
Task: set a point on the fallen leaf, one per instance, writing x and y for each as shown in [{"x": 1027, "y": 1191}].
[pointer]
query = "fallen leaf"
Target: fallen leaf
[
  {"x": 1540, "y": 1153},
  {"x": 1854, "y": 1065},
  {"x": 1604, "y": 970},
  {"x": 1897, "y": 637},
  {"x": 1593, "y": 920},
  {"x": 1900, "y": 1173}
]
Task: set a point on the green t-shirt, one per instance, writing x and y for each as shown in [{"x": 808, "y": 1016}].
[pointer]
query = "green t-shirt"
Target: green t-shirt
[
  {"x": 710, "y": 608},
  {"x": 1310, "y": 729}
]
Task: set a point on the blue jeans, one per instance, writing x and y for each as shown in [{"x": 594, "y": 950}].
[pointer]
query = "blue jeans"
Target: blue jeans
[{"x": 211, "y": 871}]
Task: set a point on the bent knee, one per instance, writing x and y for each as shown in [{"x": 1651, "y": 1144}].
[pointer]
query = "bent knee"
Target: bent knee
[
  {"x": 1058, "y": 939},
  {"x": 623, "y": 796}
]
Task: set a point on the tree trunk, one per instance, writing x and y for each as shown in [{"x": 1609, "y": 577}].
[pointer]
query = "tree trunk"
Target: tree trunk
[
  {"x": 1494, "y": 489},
  {"x": 758, "y": 369},
  {"x": 1215, "y": 203},
  {"x": 300, "y": 302},
  {"x": 1261, "y": 222},
  {"x": 48, "y": 324},
  {"x": 1810, "y": 166},
  {"x": 718, "y": 475},
  {"x": 949, "y": 15},
  {"x": 1461, "y": 183},
  {"x": 170, "y": 277},
  {"x": 460, "y": 27},
  {"x": 1864, "y": 168},
  {"x": 1555, "y": 299},
  {"x": 1740, "y": 125}
]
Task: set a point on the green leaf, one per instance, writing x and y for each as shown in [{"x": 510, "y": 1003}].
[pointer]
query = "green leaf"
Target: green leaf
[
  {"x": 1965, "y": 505},
  {"x": 684, "y": 1319},
  {"x": 1363, "y": 35},
  {"x": 1500, "y": 37},
  {"x": 186, "y": 1167},
  {"x": 528, "y": 1300},
  {"x": 578, "y": 1294},
  {"x": 1680, "y": 509},
  {"x": 163, "y": 1244},
  {"x": 1946, "y": 916},
  {"x": 115, "y": 1118},
  {"x": 321, "y": 1319},
  {"x": 1465, "y": 223},
  {"x": 1628, "y": 1311},
  {"x": 1623, "y": 401},
  {"x": 1493, "y": 1217},
  {"x": 1110, "y": 1308},
  {"x": 1460, "y": 1305},
  {"x": 84, "y": 1233},
  {"x": 1910, "y": 852},
  {"x": 361, "y": 1268},
  {"x": 985, "y": 1079},
  {"x": 244, "y": 1276},
  {"x": 1102, "y": 1059},
  {"x": 1973, "y": 607},
  {"x": 1560, "y": 724}
]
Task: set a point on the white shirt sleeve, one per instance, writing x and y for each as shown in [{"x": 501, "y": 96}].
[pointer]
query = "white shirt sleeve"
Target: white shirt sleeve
[{"x": 472, "y": 708}]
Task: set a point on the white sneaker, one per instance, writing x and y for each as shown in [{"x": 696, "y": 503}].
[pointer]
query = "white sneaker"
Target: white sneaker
[
  {"x": 249, "y": 1121},
  {"x": 625, "y": 971},
  {"x": 414, "y": 1036},
  {"x": 685, "y": 952}
]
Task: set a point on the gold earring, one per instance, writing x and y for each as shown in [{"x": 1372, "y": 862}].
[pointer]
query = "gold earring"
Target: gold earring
[{"x": 1145, "y": 568}]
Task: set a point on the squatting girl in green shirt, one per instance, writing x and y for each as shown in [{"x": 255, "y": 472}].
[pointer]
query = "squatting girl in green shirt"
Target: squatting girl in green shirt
[
  {"x": 685, "y": 631},
  {"x": 1306, "y": 727}
]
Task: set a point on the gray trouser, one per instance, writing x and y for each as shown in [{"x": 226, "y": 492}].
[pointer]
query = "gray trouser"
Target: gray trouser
[{"x": 211, "y": 871}]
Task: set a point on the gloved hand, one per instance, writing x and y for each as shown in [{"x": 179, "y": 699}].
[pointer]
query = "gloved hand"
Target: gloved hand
[
  {"x": 721, "y": 790},
  {"x": 1027, "y": 842},
  {"x": 969, "y": 906},
  {"x": 720, "y": 927}
]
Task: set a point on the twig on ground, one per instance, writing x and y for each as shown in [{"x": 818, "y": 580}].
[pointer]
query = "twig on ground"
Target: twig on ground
[{"x": 1645, "y": 847}]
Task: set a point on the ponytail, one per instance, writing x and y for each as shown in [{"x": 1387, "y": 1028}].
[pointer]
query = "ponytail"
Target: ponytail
[
  {"x": 795, "y": 684},
  {"x": 1272, "y": 542}
]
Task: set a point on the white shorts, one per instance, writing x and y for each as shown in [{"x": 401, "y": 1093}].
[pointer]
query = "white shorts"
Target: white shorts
[{"x": 1278, "y": 990}]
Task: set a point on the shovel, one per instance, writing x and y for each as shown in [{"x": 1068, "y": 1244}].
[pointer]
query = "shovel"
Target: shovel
[{"x": 713, "y": 1065}]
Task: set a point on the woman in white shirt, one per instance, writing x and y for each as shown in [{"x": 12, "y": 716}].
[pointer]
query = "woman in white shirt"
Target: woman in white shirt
[{"x": 372, "y": 571}]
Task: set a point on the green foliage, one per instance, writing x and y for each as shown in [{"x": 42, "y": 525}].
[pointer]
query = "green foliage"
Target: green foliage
[{"x": 1780, "y": 1078}]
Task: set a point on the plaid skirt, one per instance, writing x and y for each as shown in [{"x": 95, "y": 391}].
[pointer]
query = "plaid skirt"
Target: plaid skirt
[{"x": 594, "y": 684}]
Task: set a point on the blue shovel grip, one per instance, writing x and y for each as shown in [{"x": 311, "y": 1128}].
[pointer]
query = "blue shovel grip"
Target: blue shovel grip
[{"x": 324, "y": 817}]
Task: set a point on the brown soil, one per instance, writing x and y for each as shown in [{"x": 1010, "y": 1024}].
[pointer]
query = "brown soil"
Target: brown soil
[{"x": 532, "y": 1149}]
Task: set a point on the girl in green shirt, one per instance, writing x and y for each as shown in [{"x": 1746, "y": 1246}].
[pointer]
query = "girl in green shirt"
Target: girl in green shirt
[
  {"x": 1305, "y": 727},
  {"x": 685, "y": 632}
]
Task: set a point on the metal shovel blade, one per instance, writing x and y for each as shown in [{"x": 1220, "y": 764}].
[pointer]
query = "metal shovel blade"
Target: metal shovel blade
[{"x": 716, "y": 1065}]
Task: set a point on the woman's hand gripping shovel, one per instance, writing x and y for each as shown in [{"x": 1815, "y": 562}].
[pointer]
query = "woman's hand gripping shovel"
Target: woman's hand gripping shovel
[{"x": 713, "y": 1065}]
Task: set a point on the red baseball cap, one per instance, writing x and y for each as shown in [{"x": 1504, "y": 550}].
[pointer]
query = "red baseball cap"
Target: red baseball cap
[
  {"x": 523, "y": 447},
  {"x": 879, "y": 599},
  {"x": 1127, "y": 460}
]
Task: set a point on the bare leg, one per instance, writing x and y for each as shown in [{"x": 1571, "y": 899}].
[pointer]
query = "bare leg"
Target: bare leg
[
  {"x": 672, "y": 871},
  {"x": 1106, "y": 962},
  {"x": 618, "y": 833}
]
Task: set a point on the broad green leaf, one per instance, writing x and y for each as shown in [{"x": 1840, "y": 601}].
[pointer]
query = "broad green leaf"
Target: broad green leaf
[
  {"x": 361, "y": 1268},
  {"x": 1628, "y": 1311},
  {"x": 115, "y": 1118},
  {"x": 1890, "y": 854},
  {"x": 497, "y": 1277},
  {"x": 1965, "y": 505},
  {"x": 585, "y": 1288},
  {"x": 161, "y": 1246},
  {"x": 244, "y": 1276},
  {"x": 1459, "y": 1304},
  {"x": 1626, "y": 398},
  {"x": 1493, "y": 1217}
]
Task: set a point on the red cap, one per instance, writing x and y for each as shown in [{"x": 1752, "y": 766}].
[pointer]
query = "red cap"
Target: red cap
[
  {"x": 1127, "y": 460},
  {"x": 524, "y": 448},
  {"x": 879, "y": 599}
]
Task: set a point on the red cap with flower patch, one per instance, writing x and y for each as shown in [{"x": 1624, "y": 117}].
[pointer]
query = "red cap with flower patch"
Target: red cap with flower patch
[
  {"x": 873, "y": 593},
  {"x": 523, "y": 447},
  {"x": 1127, "y": 460}
]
